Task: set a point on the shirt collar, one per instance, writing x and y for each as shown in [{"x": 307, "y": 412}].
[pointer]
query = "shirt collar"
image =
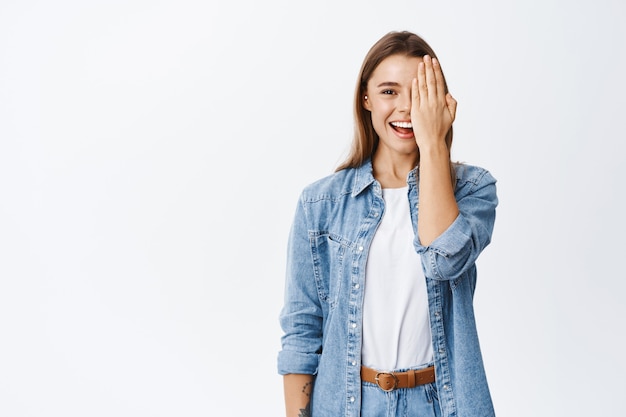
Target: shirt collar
[{"x": 364, "y": 177}]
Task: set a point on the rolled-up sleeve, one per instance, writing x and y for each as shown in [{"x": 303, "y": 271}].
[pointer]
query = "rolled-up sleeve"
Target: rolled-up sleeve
[
  {"x": 455, "y": 251},
  {"x": 301, "y": 316}
]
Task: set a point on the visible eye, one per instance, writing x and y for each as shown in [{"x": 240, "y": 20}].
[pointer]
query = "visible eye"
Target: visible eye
[{"x": 387, "y": 92}]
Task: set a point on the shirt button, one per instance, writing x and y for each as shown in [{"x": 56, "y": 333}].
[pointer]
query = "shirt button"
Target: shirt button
[
  {"x": 441, "y": 350},
  {"x": 375, "y": 214},
  {"x": 356, "y": 286},
  {"x": 360, "y": 248},
  {"x": 353, "y": 363},
  {"x": 353, "y": 325},
  {"x": 352, "y": 399},
  {"x": 446, "y": 387},
  {"x": 436, "y": 314}
]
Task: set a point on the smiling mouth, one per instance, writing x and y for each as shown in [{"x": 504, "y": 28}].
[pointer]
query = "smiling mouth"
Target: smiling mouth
[{"x": 402, "y": 127}]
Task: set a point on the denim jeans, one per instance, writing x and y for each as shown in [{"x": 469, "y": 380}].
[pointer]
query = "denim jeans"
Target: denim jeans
[{"x": 419, "y": 401}]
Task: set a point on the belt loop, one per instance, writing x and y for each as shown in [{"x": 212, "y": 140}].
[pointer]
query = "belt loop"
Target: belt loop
[{"x": 411, "y": 376}]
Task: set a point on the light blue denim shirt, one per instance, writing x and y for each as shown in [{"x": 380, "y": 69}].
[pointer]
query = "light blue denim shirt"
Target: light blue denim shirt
[{"x": 334, "y": 224}]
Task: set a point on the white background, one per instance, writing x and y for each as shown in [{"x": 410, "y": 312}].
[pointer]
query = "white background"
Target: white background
[{"x": 151, "y": 155}]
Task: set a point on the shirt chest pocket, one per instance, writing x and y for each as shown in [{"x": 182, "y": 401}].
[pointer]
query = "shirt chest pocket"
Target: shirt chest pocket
[{"x": 329, "y": 252}]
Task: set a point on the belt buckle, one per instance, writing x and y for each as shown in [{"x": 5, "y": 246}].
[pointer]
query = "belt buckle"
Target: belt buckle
[{"x": 395, "y": 381}]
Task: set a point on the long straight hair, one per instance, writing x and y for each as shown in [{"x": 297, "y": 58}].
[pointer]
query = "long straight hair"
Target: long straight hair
[{"x": 366, "y": 139}]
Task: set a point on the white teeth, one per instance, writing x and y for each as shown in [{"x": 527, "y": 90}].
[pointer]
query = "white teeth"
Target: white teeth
[{"x": 405, "y": 125}]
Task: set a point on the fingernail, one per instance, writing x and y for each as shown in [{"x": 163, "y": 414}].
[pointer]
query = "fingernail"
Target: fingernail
[{"x": 435, "y": 62}]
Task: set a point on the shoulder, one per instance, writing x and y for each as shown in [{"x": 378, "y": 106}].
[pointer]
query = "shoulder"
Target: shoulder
[
  {"x": 476, "y": 183},
  {"x": 330, "y": 187},
  {"x": 472, "y": 175}
]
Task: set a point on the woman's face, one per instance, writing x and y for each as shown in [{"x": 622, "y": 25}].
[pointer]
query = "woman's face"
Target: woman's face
[{"x": 389, "y": 102}]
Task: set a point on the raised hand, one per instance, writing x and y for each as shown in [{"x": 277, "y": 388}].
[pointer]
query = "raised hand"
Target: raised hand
[{"x": 432, "y": 109}]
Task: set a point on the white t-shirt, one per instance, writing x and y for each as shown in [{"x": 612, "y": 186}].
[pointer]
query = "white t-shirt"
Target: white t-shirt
[{"x": 396, "y": 329}]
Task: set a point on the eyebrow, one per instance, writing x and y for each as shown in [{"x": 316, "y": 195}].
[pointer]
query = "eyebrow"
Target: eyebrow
[{"x": 388, "y": 84}]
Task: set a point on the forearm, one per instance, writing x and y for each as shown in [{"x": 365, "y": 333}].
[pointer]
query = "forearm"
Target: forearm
[
  {"x": 298, "y": 390},
  {"x": 437, "y": 206}
]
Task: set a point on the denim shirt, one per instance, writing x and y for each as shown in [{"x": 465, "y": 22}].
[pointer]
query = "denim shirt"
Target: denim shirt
[{"x": 334, "y": 224}]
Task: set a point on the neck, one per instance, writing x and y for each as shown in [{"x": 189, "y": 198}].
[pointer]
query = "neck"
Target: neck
[{"x": 392, "y": 172}]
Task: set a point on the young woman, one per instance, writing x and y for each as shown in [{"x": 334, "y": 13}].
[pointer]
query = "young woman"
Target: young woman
[{"x": 378, "y": 317}]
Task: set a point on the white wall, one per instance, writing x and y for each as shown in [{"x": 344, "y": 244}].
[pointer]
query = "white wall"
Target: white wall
[{"x": 151, "y": 154}]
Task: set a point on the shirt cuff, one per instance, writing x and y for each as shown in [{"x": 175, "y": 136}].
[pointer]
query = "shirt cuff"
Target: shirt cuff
[{"x": 291, "y": 362}]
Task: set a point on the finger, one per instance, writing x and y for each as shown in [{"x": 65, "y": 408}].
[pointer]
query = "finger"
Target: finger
[
  {"x": 431, "y": 83},
  {"x": 421, "y": 82},
  {"x": 451, "y": 104},
  {"x": 441, "y": 88},
  {"x": 415, "y": 94}
]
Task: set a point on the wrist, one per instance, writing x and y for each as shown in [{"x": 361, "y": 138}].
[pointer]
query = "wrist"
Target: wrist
[{"x": 434, "y": 150}]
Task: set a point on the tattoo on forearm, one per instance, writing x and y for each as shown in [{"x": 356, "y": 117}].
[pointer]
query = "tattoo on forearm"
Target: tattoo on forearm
[
  {"x": 306, "y": 390},
  {"x": 305, "y": 412}
]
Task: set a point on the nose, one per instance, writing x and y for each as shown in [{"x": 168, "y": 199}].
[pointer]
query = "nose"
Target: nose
[{"x": 404, "y": 104}]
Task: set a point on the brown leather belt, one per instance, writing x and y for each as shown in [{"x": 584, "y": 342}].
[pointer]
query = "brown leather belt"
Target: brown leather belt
[{"x": 388, "y": 381}]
